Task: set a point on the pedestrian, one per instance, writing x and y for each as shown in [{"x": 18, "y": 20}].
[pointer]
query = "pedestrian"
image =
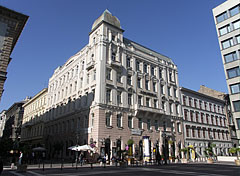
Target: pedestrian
[
  {"x": 20, "y": 158},
  {"x": 104, "y": 161},
  {"x": 81, "y": 159}
]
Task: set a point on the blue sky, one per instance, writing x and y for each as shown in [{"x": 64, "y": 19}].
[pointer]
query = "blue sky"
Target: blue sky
[{"x": 183, "y": 30}]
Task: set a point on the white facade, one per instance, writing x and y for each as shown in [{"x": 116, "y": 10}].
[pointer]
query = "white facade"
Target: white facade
[
  {"x": 227, "y": 20},
  {"x": 112, "y": 90}
]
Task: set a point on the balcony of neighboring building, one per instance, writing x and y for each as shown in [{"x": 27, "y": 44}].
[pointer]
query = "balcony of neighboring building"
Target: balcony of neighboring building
[
  {"x": 90, "y": 64},
  {"x": 142, "y": 108}
]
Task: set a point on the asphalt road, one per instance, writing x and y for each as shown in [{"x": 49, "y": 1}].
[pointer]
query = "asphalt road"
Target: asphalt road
[{"x": 194, "y": 169}]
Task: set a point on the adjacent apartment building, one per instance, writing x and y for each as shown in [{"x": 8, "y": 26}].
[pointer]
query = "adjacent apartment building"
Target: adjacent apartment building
[
  {"x": 227, "y": 20},
  {"x": 33, "y": 119},
  {"x": 204, "y": 122},
  {"x": 112, "y": 91},
  {"x": 11, "y": 26}
]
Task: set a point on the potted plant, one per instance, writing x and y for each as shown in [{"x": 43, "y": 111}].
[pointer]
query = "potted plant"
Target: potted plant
[
  {"x": 209, "y": 153},
  {"x": 185, "y": 156},
  {"x": 236, "y": 151}
]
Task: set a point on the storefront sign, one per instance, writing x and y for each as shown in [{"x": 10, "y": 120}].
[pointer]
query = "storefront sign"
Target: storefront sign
[{"x": 136, "y": 132}]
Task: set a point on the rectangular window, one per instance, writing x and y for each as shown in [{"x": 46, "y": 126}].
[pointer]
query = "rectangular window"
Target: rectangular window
[
  {"x": 184, "y": 100},
  {"x": 75, "y": 86},
  {"x": 179, "y": 129},
  {"x": 109, "y": 77},
  {"x": 119, "y": 77},
  {"x": 236, "y": 24},
  {"x": 238, "y": 39},
  {"x": 145, "y": 68},
  {"x": 233, "y": 72},
  {"x": 156, "y": 125},
  {"x": 197, "y": 117},
  {"x": 227, "y": 43},
  {"x": 186, "y": 114},
  {"x": 236, "y": 105},
  {"x": 191, "y": 115},
  {"x": 119, "y": 97},
  {"x": 187, "y": 131},
  {"x": 154, "y": 87},
  {"x": 148, "y": 102},
  {"x": 230, "y": 57},
  {"x": 222, "y": 17},
  {"x": 137, "y": 65},
  {"x": 193, "y": 132},
  {"x": 162, "y": 89},
  {"x": 160, "y": 73},
  {"x": 140, "y": 126},
  {"x": 128, "y": 62},
  {"x": 235, "y": 10},
  {"x": 148, "y": 124},
  {"x": 140, "y": 100},
  {"x": 129, "y": 80},
  {"x": 177, "y": 109},
  {"x": 139, "y": 82},
  {"x": 152, "y": 71},
  {"x": 129, "y": 99},
  {"x": 147, "y": 84},
  {"x": 113, "y": 56},
  {"x": 238, "y": 123},
  {"x": 155, "y": 103},
  {"x": 204, "y": 133},
  {"x": 119, "y": 120},
  {"x": 130, "y": 122},
  {"x": 175, "y": 92},
  {"x": 235, "y": 88},
  {"x": 169, "y": 91},
  {"x": 199, "y": 135},
  {"x": 108, "y": 120},
  {"x": 224, "y": 30},
  {"x": 108, "y": 95},
  {"x": 94, "y": 75}
]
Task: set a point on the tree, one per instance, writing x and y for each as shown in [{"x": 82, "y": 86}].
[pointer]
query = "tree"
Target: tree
[{"x": 235, "y": 150}]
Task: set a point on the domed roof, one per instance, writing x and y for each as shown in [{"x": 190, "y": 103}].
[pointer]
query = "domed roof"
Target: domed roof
[{"x": 107, "y": 17}]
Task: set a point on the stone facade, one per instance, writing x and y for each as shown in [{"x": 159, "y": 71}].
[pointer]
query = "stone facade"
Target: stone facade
[
  {"x": 14, "y": 117},
  {"x": 2, "y": 122},
  {"x": 11, "y": 26},
  {"x": 33, "y": 119},
  {"x": 227, "y": 20},
  {"x": 204, "y": 122},
  {"x": 111, "y": 91}
]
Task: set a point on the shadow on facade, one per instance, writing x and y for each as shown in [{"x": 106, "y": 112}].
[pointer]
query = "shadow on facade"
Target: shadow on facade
[{"x": 60, "y": 127}]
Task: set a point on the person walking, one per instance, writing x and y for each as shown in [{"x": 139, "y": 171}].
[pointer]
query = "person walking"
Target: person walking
[{"x": 20, "y": 158}]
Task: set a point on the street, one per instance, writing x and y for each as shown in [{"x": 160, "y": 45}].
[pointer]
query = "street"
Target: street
[{"x": 202, "y": 169}]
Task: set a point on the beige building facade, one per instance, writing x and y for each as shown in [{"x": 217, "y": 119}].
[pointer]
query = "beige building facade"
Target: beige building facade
[
  {"x": 114, "y": 91},
  {"x": 227, "y": 20},
  {"x": 33, "y": 119}
]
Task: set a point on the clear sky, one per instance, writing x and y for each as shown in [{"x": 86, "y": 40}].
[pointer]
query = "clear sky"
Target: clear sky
[{"x": 183, "y": 30}]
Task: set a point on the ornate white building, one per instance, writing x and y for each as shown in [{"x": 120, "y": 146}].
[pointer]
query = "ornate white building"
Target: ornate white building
[{"x": 111, "y": 91}]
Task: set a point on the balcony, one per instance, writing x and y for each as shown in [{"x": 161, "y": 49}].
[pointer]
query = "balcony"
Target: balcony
[
  {"x": 149, "y": 109},
  {"x": 90, "y": 64},
  {"x": 115, "y": 63}
]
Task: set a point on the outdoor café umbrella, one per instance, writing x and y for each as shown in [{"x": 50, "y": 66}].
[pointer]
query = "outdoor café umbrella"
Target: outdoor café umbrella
[
  {"x": 38, "y": 149},
  {"x": 81, "y": 148}
]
